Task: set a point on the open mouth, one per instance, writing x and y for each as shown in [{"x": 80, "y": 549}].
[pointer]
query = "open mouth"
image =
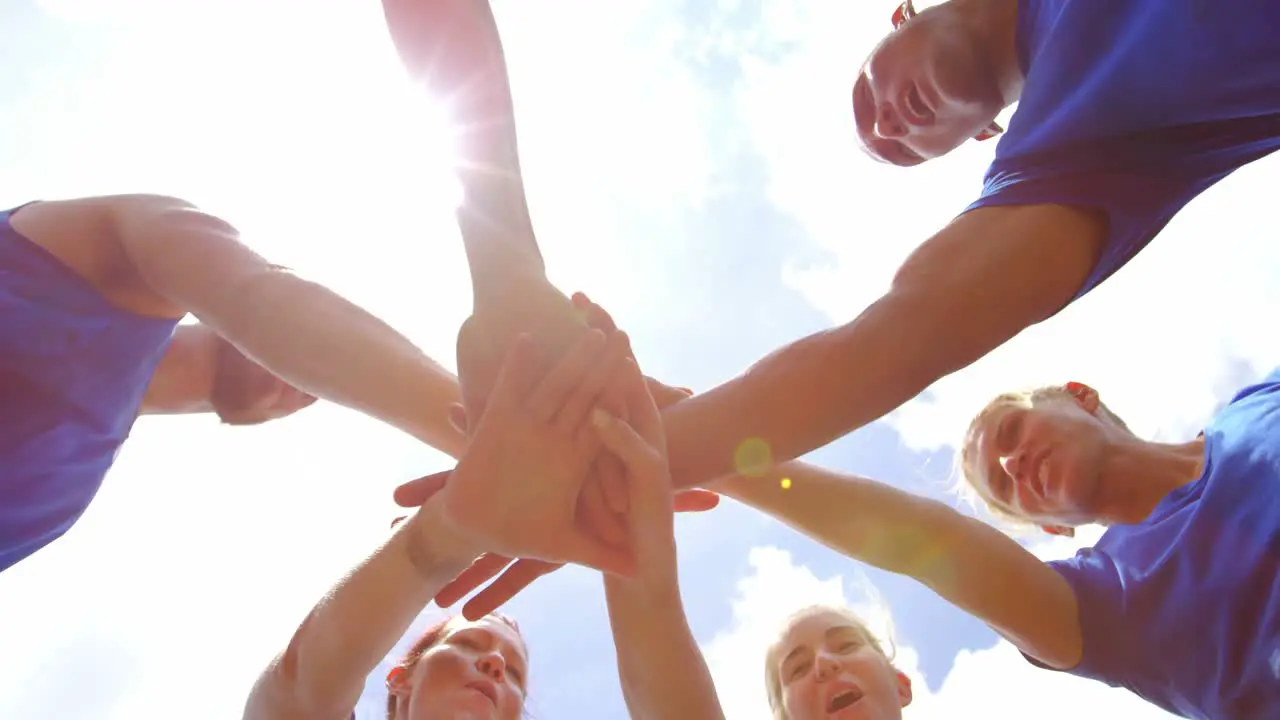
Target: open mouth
[
  {"x": 1042, "y": 474},
  {"x": 843, "y": 699},
  {"x": 486, "y": 689},
  {"x": 918, "y": 109}
]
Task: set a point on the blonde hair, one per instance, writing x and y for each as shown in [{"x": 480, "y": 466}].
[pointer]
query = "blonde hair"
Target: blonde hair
[
  {"x": 773, "y": 683},
  {"x": 973, "y": 486}
]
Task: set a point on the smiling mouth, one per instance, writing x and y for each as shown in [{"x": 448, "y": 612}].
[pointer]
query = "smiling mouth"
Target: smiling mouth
[
  {"x": 486, "y": 690},
  {"x": 919, "y": 109},
  {"x": 1042, "y": 475},
  {"x": 843, "y": 700}
]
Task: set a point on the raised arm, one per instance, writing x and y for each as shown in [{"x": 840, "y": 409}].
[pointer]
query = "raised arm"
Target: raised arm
[
  {"x": 980, "y": 281},
  {"x": 453, "y": 46},
  {"x": 322, "y": 672},
  {"x": 662, "y": 671},
  {"x": 967, "y": 562},
  {"x": 303, "y": 332}
]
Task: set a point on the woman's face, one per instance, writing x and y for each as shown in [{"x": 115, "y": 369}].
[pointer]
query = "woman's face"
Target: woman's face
[
  {"x": 827, "y": 668},
  {"x": 477, "y": 670}
]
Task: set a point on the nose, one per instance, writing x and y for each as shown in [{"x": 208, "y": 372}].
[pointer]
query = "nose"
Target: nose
[
  {"x": 889, "y": 124},
  {"x": 826, "y": 668},
  {"x": 1015, "y": 464},
  {"x": 493, "y": 666}
]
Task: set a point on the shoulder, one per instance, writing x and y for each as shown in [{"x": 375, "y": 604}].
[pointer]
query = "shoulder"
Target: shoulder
[{"x": 91, "y": 237}]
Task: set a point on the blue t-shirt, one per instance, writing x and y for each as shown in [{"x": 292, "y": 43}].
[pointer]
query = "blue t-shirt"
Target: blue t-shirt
[
  {"x": 1134, "y": 107},
  {"x": 73, "y": 371},
  {"x": 1184, "y": 608}
]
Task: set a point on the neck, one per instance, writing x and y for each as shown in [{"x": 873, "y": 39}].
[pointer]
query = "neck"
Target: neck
[
  {"x": 996, "y": 22},
  {"x": 1138, "y": 474}
]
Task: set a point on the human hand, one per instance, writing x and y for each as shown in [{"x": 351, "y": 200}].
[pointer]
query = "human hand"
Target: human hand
[
  {"x": 524, "y": 571},
  {"x": 516, "y": 489},
  {"x": 640, "y": 443}
]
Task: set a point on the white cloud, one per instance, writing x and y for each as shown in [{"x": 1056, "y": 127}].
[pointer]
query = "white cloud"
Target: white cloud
[
  {"x": 996, "y": 683},
  {"x": 1158, "y": 340}
]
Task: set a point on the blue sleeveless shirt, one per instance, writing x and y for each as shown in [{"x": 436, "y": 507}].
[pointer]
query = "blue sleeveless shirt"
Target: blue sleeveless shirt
[{"x": 73, "y": 371}]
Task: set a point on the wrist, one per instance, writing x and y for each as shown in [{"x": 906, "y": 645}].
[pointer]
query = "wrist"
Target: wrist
[{"x": 436, "y": 546}]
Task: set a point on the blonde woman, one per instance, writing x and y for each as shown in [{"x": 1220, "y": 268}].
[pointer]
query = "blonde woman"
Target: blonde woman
[{"x": 826, "y": 661}]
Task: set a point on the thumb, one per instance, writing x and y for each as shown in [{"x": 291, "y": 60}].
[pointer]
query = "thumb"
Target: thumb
[
  {"x": 416, "y": 492},
  {"x": 622, "y": 440}
]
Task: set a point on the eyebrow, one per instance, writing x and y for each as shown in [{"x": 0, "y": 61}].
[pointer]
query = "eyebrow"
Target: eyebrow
[{"x": 831, "y": 632}]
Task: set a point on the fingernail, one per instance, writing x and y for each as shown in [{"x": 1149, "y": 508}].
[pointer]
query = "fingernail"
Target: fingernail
[{"x": 600, "y": 418}]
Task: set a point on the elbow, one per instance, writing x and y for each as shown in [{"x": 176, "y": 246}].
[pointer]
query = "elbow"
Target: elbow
[
  {"x": 274, "y": 695},
  {"x": 283, "y": 693}
]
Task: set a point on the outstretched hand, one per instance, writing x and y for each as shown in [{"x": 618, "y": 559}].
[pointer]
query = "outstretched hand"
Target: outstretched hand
[
  {"x": 516, "y": 489},
  {"x": 640, "y": 444},
  {"x": 524, "y": 571}
]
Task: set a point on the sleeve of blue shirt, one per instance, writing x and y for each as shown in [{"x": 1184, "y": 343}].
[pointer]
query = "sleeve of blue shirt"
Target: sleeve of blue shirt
[
  {"x": 1107, "y": 645},
  {"x": 1138, "y": 181},
  {"x": 1137, "y": 206}
]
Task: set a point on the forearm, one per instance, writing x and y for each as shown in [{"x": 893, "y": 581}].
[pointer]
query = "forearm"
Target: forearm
[
  {"x": 325, "y": 345},
  {"x": 322, "y": 672},
  {"x": 454, "y": 47},
  {"x": 808, "y": 393},
  {"x": 663, "y": 674},
  {"x": 868, "y": 521}
]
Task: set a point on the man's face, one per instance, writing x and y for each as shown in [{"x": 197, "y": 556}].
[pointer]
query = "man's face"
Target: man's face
[
  {"x": 245, "y": 393},
  {"x": 925, "y": 90}
]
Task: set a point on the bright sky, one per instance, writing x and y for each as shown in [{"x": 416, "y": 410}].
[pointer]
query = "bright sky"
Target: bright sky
[{"x": 691, "y": 166}]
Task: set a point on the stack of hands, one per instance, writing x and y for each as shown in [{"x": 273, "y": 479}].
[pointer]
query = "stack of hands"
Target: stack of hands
[{"x": 548, "y": 468}]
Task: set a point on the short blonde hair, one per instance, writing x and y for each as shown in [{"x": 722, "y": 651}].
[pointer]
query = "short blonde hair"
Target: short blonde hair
[
  {"x": 974, "y": 484},
  {"x": 773, "y": 683}
]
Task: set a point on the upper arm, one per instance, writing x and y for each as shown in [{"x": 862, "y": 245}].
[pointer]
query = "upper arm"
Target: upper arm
[
  {"x": 990, "y": 576},
  {"x": 188, "y": 257},
  {"x": 993, "y": 272}
]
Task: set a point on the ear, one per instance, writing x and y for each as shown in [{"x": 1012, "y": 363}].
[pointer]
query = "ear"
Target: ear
[
  {"x": 904, "y": 688},
  {"x": 1059, "y": 530},
  {"x": 1085, "y": 396},
  {"x": 458, "y": 418},
  {"x": 398, "y": 681}
]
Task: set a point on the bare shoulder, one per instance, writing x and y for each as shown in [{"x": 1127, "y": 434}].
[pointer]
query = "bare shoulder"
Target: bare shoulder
[{"x": 84, "y": 235}]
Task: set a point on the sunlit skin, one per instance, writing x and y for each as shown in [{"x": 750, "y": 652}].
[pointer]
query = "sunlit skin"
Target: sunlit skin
[
  {"x": 826, "y": 668},
  {"x": 938, "y": 81},
  {"x": 478, "y": 670},
  {"x": 454, "y": 47},
  {"x": 1059, "y": 464}
]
